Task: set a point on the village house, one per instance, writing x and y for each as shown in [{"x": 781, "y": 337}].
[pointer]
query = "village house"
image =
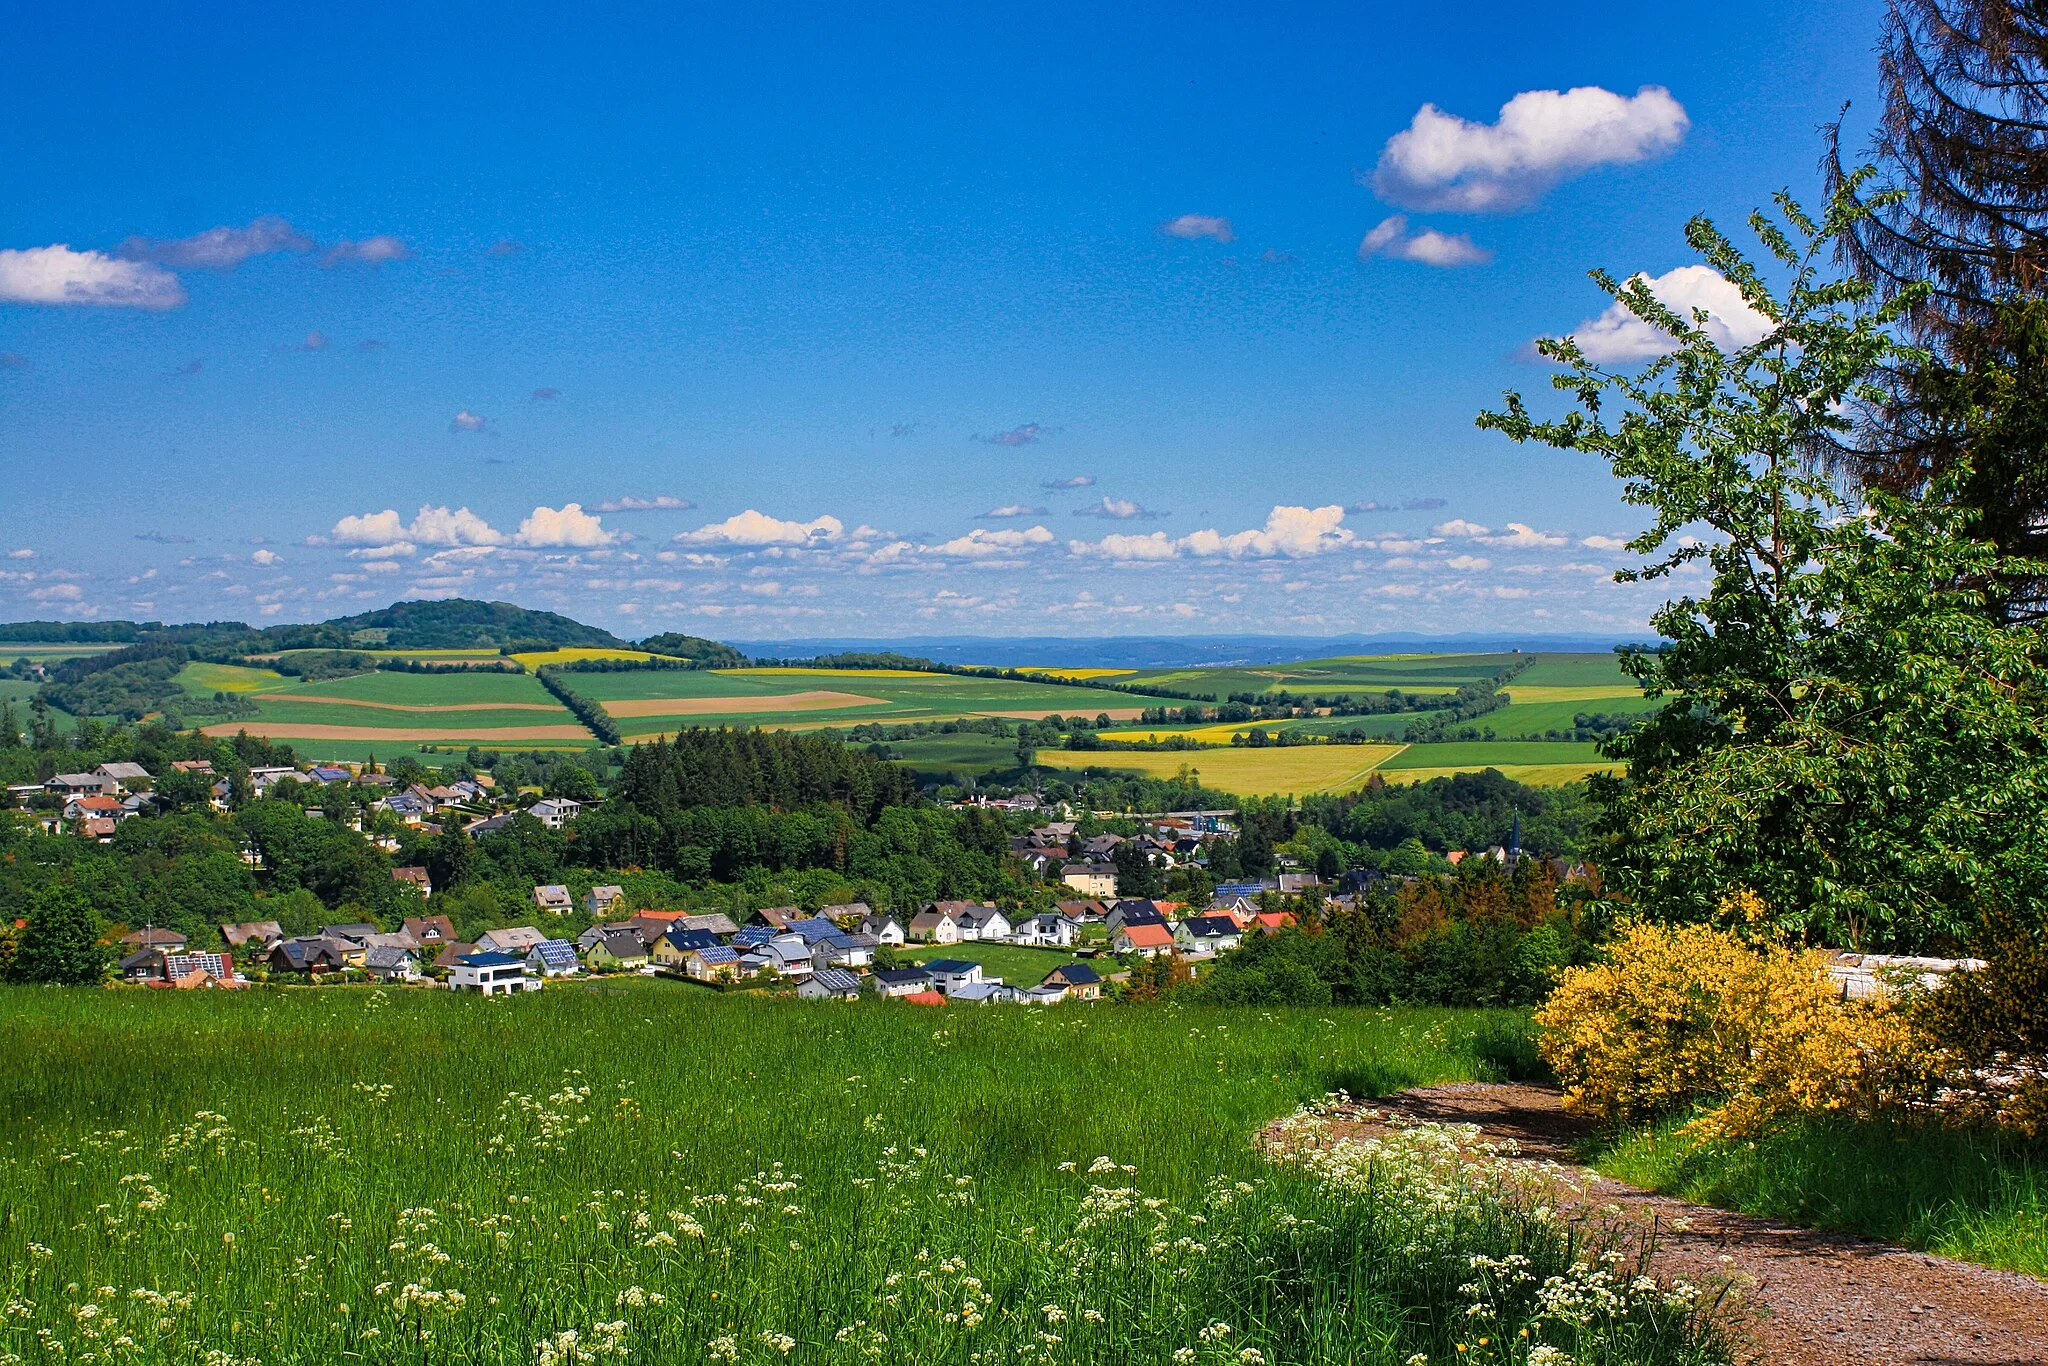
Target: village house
[
  {"x": 80, "y": 785},
  {"x": 598, "y": 901},
  {"x": 1208, "y": 934},
  {"x": 554, "y": 812},
  {"x": 1079, "y": 981},
  {"x": 787, "y": 955},
  {"x": 1132, "y": 912},
  {"x": 1088, "y": 912},
  {"x": 717, "y": 923},
  {"x": 515, "y": 940},
  {"x": 261, "y": 933},
  {"x": 1146, "y": 940},
  {"x": 896, "y": 982},
  {"x": 416, "y": 877},
  {"x": 842, "y": 951},
  {"x": 355, "y": 931},
  {"x": 170, "y": 941},
  {"x": 553, "y": 899},
  {"x": 1044, "y": 994},
  {"x": 983, "y": 922},
  {"x": 553, "y": 958},
  {"x": 777, "y": 918},
  {"x": 315, "y": 953},
  {"x": 617, "y": 951},
  {"x": 886, "y": 929},
  {"x": 451, "y": 953},
  {"x": 1090, "y": 879},
  {"x": 933, "y": 926},
  {"x": 1046, "y": 931},
  {"x": 717, "y": 963},
  {"x": 430, "y": 931},
  {"x": 829, "y": 984},
  {"x": 391, "y": 963},
  {"x": 491, "y": 974},
  {"x": 949, "y": 974},
  {"x": 847, "y": 913},
  {"x": 980, "y": 993}
]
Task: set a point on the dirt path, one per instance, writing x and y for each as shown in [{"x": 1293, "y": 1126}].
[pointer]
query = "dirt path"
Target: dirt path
[{"x": 1817, "y": 1298}]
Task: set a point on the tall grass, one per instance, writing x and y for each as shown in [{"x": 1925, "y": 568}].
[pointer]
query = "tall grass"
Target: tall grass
[
  {"x": 1974, "y": 1195},
  {"x": 578, "y": 1176}
]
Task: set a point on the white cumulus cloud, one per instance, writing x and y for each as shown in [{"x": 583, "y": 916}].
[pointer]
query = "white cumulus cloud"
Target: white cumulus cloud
[
  {"x": 370, "y": 251},
  {"x": 430, "y": 526},
  {"x": 1469, "y": 562},
  {"x": 1445, "y": 163},
  {"x": 981, "y": 543},
  {"x": 752, "y": 528},
  {"x": 1458, "y": 526},
  {"x": 1117, "y": 509},
  {"x": 1618, "y": 336},
  {"x": 1603, "y": 543},
  {"x": 1292, "y": 532},
  {"x": 1190, "y": 226},
  {"x": 59, "y": 275},
  {"x": 569, "y": 525},
  {"x": 1521, "y": 536},
  {"x": 1425, "y": 246}
]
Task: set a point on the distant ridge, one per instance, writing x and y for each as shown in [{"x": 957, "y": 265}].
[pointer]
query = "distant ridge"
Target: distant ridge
[{"x": 1170, "y": 652}]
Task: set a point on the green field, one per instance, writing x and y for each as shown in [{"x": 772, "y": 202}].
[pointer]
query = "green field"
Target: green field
[
  {"x": 1017, "y": 964},
  {"x": 45, "y": 653},
  {"x": 1298, "y": 770},
  {"x": 949, "y": 758},
  {"x": 645, "y": 704},
  {"x": 393, "y": 713},
  {"x": 1344, "y": 674},
  {"x": 312, "y": 1176}
]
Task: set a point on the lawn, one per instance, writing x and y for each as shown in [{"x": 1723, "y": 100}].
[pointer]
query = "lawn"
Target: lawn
[
  {"x": 582, "y": 1176},
  {"x": 1297, "y": 770},
  {"x": 1016, "y": 964},
  {"x": 1974, "y": 1195}
]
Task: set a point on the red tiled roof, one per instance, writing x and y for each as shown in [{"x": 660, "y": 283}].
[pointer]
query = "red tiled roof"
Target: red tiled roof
[{"x": 1147, "y": 936}]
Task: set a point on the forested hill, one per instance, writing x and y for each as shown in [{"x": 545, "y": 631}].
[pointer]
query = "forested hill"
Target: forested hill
[{"x": 449, "y": 624}]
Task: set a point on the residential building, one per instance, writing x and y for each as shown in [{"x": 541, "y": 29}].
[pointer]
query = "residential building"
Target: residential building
[
  {"x": 314, "y": 953},
  {"x": 847, "y": 912},
  {"x": 261, "y": 933},
  {"x": 1044, "y": 994},
  {"x": 452, "y": 952},
  {"x": 886, "y": 929},
  {"x": 356, "y": 931},
  {"x": 491, "y": 974},
  {"x": 829, "y": 984},
  {"x": 390, "y": 963},
  {"x": 1132, "y": 912},
  {"x": 553, "y": 958},
  {"x": 933, "y": 926},
  {"x": 554, "y": 812},
  {"x": 1082, "y": 912},
  {"x": 843, "y": 951},
  {"x": 777, "y": 918},
  {"x": 416, "y": 877},
  {"x": 979, "y": 993},
  {"x": 717, "y": 923},
  {"x": 717, "y": 963},
  {"x": 897, "y": 982},
  {"x": 515, "y": 940},
  {"x": 430, "y": 931},
  {"x": 1208, "y": 934},
  {"x": 983, "y": 922},
  {"x": 170, "y": 941},
  {"x": 617, "y": 950},
  {"x": 1090, "y": 879},
  {"x": 1078, "y": 980},
  {"x": 1048, "y": 931},
  {"x": 948, "y": 974},
  {"x": 124, "y": 776},
  {"x": 80, "y": 785},
  {"x": 1147, "y": 941},
  {"x": 599, "y": 901},
  {"x": 553, "y": 899}
]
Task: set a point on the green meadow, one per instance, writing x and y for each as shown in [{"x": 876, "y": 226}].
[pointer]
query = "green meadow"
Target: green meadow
[
  {"x": 1347, "y": 674},
  {"x": 596, "y": 1174},
  {"x": 392, "y": 713}
]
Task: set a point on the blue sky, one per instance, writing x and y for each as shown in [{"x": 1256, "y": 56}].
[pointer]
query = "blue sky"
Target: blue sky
[{"x": 847, "y": 280}]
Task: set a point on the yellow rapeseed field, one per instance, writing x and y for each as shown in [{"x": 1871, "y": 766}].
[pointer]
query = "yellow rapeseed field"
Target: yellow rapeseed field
[{"x": 1296, "y": 770}]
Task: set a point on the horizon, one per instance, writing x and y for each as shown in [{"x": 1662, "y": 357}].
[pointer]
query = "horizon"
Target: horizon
[{"x": 737, "y": 326}]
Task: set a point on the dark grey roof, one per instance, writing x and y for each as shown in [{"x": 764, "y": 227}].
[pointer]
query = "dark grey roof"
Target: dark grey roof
[{"x": 836, "y": 979}]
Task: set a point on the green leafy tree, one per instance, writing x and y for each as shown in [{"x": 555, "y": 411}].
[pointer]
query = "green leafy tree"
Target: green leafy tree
[
  {"x": 61, "y": 945},
  {"x": 1847, "y": 734}
]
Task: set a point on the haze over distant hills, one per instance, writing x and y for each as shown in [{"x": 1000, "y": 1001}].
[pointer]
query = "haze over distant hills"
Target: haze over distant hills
[{"x": 1165, "y": 652}]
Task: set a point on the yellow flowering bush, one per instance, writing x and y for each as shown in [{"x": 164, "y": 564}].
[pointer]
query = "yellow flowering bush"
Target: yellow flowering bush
[{"x": 1692, "y": 1015}]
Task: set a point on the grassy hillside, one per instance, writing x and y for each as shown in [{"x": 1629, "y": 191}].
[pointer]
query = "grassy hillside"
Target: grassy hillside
[{"x": 338, "y": 1175}]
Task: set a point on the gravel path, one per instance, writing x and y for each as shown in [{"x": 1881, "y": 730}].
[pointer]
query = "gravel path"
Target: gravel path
[{"x": 1816, "y": 1298}]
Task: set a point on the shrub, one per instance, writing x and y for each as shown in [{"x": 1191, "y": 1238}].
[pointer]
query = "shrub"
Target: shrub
[
  {"x": 1690, "y": 1015},
  {"x": 1991, "y": 1029}
]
